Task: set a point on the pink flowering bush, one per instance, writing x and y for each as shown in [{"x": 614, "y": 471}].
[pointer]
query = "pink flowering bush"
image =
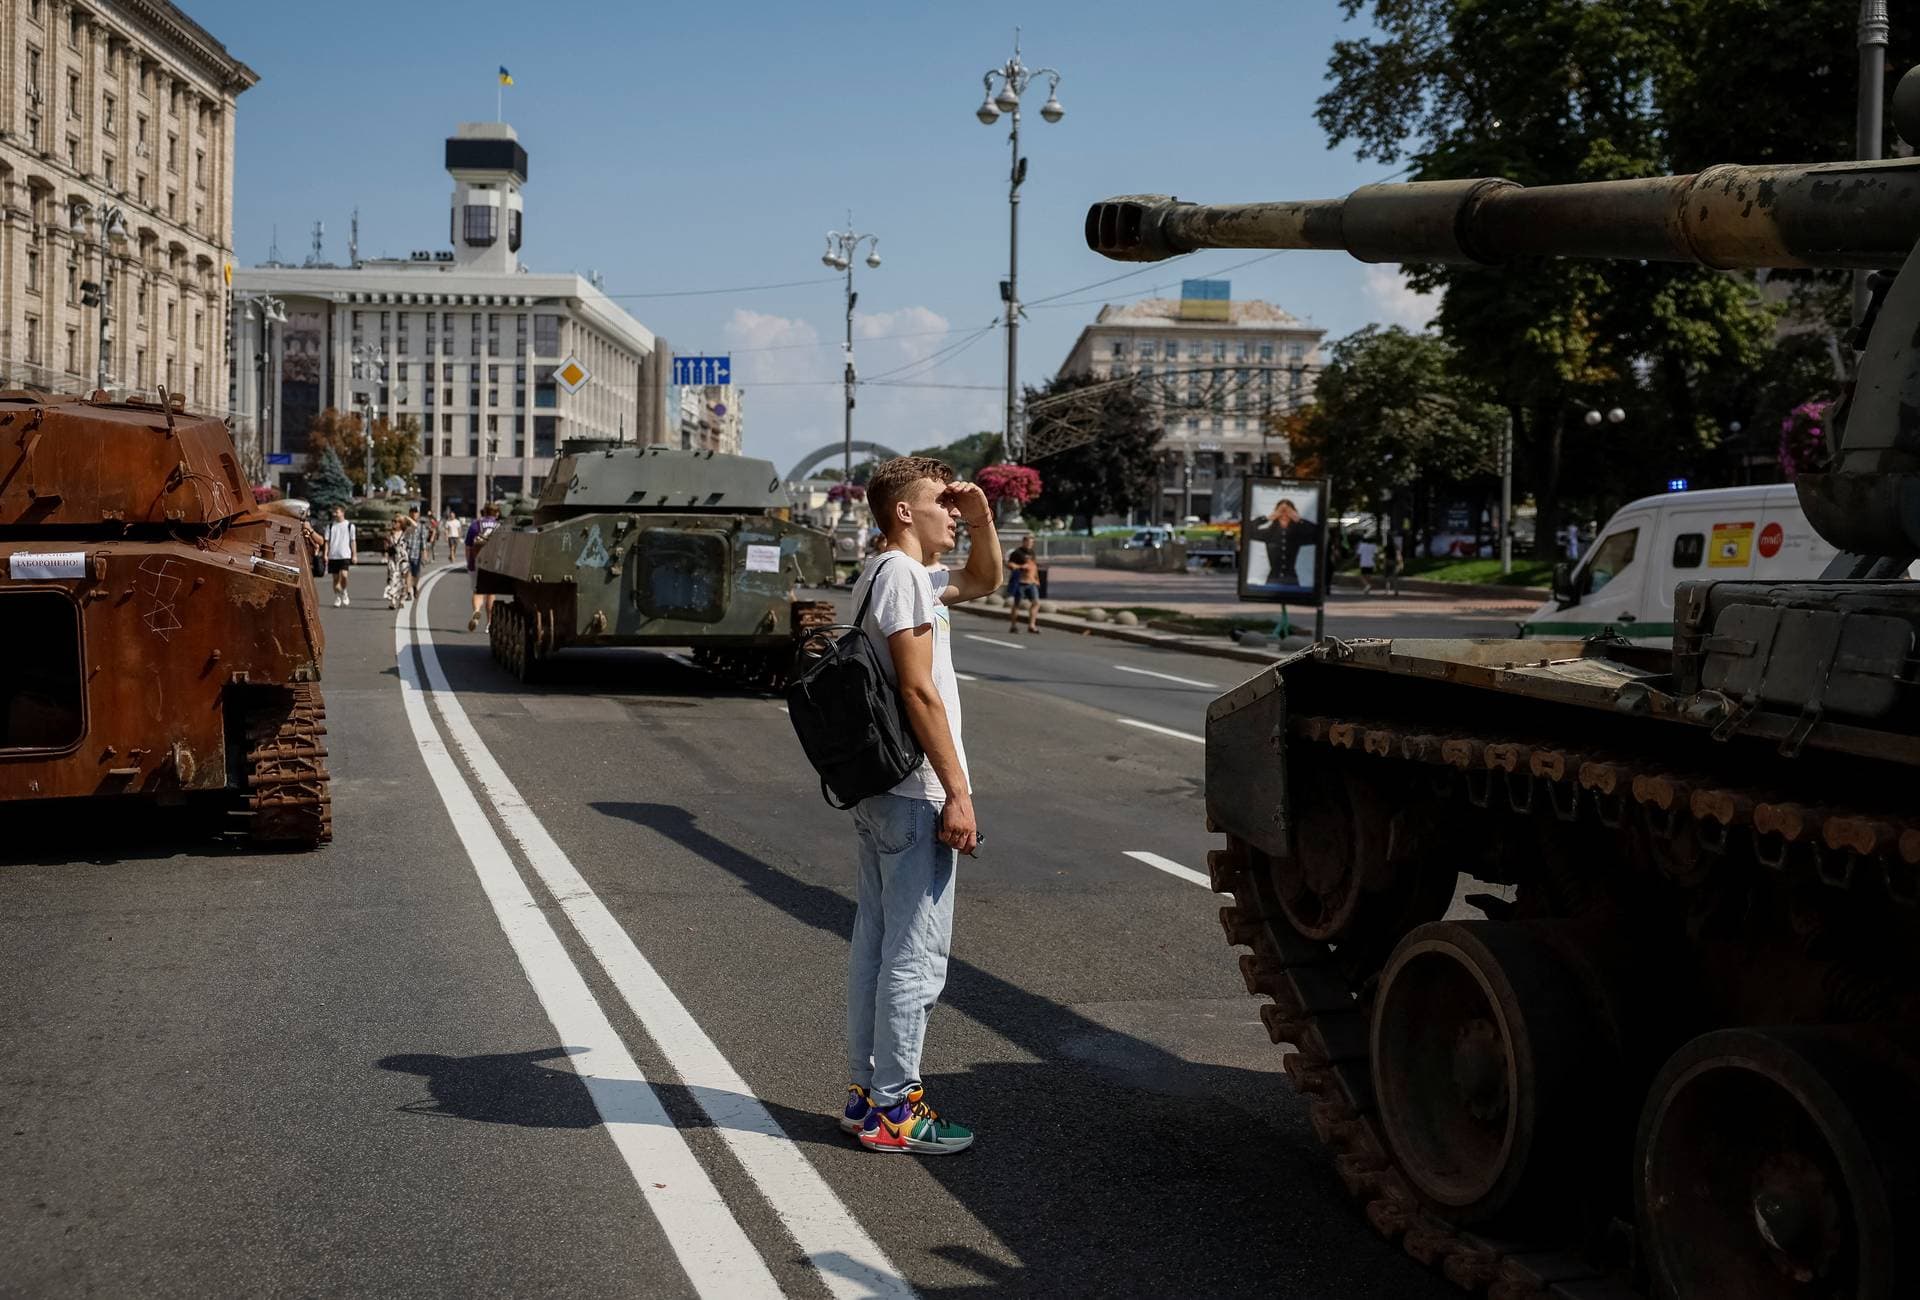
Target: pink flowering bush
[
  {"x": 846, "y": 492},
  {"x": 1803, "y": 439},
  {"x": 1016, "y": 483}
]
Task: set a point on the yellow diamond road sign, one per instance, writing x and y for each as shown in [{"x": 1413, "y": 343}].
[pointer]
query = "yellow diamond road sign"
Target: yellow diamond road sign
[{"x": 571, "y": 375}]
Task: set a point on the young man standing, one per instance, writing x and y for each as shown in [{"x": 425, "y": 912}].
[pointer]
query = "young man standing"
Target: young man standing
[
  {"x": 1023, "y": 583},
  {"x": 340, "y": 555},
  {"x": 1368, "y": 553},
  {"x": 910, "y": 836}
]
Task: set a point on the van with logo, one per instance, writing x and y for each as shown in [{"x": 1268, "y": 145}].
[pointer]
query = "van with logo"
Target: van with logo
[{"x": 1625, "y": 581}]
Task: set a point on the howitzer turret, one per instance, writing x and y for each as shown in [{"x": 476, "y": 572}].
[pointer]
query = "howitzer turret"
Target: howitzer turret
[{"x": 1580, "y": 1085}]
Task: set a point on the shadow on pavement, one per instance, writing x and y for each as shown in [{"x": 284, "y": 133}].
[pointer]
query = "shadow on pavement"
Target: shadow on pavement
[{"x": 1141, "y": 1172}]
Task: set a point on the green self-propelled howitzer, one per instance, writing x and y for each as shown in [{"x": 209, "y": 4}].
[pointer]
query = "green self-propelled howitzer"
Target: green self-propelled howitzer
[
  {"x": 1677, "y": 1055},
  {"x": 658, "y": 546}
]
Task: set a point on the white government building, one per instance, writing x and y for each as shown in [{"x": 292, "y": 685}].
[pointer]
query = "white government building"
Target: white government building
[
  {"x": 1217, "y": 373},
  {"x": 116, "y": 169},
  {"x": 498, "y": 366}
]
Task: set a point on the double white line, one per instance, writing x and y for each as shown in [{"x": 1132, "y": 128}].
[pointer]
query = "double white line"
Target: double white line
[{"x": 702, "y": 1229}]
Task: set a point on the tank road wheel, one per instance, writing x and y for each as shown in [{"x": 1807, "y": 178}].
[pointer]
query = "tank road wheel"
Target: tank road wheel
[
  {"x": 1767, "y": 1166},
  {"x": 529, "y": 659},
  {"x": 1483, "y": 1058},
  {"x": 283, "y": 747}
]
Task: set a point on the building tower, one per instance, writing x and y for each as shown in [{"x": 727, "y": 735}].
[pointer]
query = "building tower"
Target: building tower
[{"x": 489, "y": 169}]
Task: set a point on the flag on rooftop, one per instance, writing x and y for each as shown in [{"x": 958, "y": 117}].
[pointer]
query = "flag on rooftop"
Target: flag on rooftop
[{"x": 506, "y": 78}]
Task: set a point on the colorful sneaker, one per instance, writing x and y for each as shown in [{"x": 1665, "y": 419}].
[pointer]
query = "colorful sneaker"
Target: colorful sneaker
[
  {"x": 913, "y": 1126},
  {"x": 858, "y": 1108}
]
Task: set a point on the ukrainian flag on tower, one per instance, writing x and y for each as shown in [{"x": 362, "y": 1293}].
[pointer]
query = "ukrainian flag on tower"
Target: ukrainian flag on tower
[{"x": 506, "y": 78}]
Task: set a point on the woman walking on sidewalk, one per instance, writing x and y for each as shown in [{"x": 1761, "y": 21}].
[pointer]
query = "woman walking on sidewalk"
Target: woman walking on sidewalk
[{"x": 398, "y": 539}]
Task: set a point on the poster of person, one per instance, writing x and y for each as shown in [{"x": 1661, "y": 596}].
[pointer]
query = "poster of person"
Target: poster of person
[{"x": 1283, "y": 540}]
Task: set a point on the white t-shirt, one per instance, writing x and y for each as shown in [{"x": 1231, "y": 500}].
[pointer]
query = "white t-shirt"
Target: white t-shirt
[
  {"x": 908, "y": 596},
  {"x": 1367, "y": 553},
  {"x": 340, "y": 540}
]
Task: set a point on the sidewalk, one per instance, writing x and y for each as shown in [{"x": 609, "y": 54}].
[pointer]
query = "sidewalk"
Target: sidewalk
[{"x": 1213, "y": 593}]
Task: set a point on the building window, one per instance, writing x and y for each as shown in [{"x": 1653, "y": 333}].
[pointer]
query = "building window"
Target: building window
[
  {"x": 33, "y": 268},
  {"x": 446, "y": 426},
  {"x": 199, "y": 216},
  {"x": 446, "y": 446},
  {"x": 33, "y": 340},
  {"x": 33, "y": 72},
  {"x": 140, "y": 297},
  {"x": 200, "y": 168},
  {"x": 107, "y": 163},
  {"x": 546, "y": 393},
  {"x": 33, "y": 9},
  {"x": 1172, "y": 349},
  {"x": 73, "y": 350},
  {"x": 546, "y": 336},
  {"x": 480, "y": 225},
  {"x": 73, "y": 284},
  {"x": 76, "y": 23},
  {"x": 198, "y": 394},
  {"x": 146, "y": 78},
  {"x": 1219, "y": 349},
  {"x": 140, "y": 189},
  {"x": 139, "y": 367},
  {"x": 1119, "y": 347},
  {"x": 473, "y": 423},
  {"x": 109, "y": 115},
  {"x": 33, "y": 130},
  {"x": 513, "y": 230},
  {"x": 73, "y": 152},
  {"x": 173, "y": 152},
  {"x": 545, "y": 431},
  {"x": 169, "y": 318},
  {"x": 1148, "y": 348},
  {"x": 1266, "y": 351},
  {"x": 73, "y": 95},
  {"x": 172, "y": 204}
]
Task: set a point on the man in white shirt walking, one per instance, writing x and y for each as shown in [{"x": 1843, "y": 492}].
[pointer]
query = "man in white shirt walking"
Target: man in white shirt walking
[
  {"x": 910, "y": 837},
  {"x": 340, "y": 555},
  {"x": 1369, "y": 553}
]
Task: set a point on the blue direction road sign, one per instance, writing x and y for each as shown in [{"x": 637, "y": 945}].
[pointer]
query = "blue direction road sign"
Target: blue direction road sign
[
  {"x": 279, "y": 458},
  {"x": 702, "y": 370}
]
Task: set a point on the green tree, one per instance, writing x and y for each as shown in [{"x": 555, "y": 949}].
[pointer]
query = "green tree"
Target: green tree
[
  {"x": 1555, "y": 91},
  {"x": 1109, "y": 475},
  {"x": 1391, "y": 411},
  {"x": 327, "y": 484},
  {"x": 396, "y": 446},
  {"x": 968, "y": 455}
]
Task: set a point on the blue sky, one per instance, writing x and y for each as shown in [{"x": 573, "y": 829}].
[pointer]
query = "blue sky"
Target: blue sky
[{"x": 698, "y": 146}]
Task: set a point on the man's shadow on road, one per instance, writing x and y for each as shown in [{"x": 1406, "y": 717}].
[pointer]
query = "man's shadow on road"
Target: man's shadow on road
[{"x": 1103, "y": 1155}]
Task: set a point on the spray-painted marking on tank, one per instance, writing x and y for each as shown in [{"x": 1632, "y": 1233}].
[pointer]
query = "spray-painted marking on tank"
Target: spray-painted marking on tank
[
  {"x": 593, "y": 552},
  {"x": 162, "y": 586}
]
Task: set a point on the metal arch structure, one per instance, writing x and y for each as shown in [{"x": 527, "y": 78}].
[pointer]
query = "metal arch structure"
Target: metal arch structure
[{"x": 814, "y": 459}]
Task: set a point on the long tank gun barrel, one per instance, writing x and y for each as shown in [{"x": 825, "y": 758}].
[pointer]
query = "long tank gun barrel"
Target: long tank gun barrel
[{"x": 1849, "y": 216}]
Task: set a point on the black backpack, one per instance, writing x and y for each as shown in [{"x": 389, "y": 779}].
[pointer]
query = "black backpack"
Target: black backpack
[{"x": 847, "y": 713}]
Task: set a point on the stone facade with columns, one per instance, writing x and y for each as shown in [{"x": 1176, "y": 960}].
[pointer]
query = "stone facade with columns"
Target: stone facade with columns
[{"x": 128, "y": 105}]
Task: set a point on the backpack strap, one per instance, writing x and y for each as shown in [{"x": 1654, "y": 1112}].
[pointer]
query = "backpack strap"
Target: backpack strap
[{"x": 859, "y": 619}]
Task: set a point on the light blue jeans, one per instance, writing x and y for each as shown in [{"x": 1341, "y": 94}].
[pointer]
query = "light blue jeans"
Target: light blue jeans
[{"x": 902, "y": 933}]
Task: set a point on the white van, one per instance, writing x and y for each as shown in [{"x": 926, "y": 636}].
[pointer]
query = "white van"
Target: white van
[{"x": 1625, "y": 581}]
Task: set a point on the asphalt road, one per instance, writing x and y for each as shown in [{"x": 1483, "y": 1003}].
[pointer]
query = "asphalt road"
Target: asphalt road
[{"x": 560, "y": 1010}]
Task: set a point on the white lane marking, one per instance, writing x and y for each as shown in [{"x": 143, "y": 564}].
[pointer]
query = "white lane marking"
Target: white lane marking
[
  {"x": 849, "y": 1261},
  {"x": 716, "y": 1253},
  {"x": 965, "y": 677},
  {"x": 991, "y": 640},
  {"x": 1165, "y": 731},
  {"x": 1168, "y": 677},
  {"x": 784, "y": 709},
  {"x": 1169, "y": 866}
]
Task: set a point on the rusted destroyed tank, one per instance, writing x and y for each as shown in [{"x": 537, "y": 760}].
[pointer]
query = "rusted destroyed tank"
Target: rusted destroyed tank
[
  {"x": 1677, "y": 1055},
  {"x": 159, "y": 640},
  {"x": 657, "y": 546}
]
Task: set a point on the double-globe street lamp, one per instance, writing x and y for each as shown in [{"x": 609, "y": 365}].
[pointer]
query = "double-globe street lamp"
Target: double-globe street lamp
[
  {"x": 366, "y": 359},
  {"x": 1014, "y": 77},
  {"x": 99, "y": 293},
  {"x": 841, "y": 247},
  {"x": 270, "y": 311}
]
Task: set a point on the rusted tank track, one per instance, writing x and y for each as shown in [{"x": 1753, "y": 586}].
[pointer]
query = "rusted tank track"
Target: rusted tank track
[
  {"x": 289, "y": 800},
  {"x": 1322, "y": 995}
]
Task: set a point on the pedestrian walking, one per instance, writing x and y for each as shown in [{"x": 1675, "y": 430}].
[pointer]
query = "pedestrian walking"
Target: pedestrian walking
[
  {"x": 399, "y": 536},
  {"x": 1367, "y": 553},
  {"x": 340, "y": 547},
  {"x": 1396, "y": 562},
  {"x": 452, "y": 531},
  {"x": 419, "y": 546},
  {"x": 909, "y": 838},
  {"x": 1023, "y": 584},
  {"x": 478, "y": 532}
]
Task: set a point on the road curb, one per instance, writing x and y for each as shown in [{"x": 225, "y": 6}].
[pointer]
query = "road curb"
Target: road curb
[
  {"x": 1431, "y": 587},
  {"x": 1139, "y": 636}
]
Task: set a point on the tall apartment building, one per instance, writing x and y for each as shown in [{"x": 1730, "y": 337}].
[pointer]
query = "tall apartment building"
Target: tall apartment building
[
  {"x": 1215, "y": 372},
  {"x": 498, "y": 365},
  {"x": 710, "y": 417},
  {"x": 116, "y": 168}
]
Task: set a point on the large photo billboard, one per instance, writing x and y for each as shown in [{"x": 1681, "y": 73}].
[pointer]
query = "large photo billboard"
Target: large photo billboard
[{"x": 1283, "y": 540}]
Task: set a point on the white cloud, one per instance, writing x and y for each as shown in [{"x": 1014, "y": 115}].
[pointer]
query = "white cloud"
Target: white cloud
[
  {"x": 1395, "y": 301},
  {"x": 791, "y": 377}
]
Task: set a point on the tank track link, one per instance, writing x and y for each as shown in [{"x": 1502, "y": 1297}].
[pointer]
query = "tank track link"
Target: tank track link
[
  {"x": 289, "y": 800},
  {"x": 1322, "y": 1009}
]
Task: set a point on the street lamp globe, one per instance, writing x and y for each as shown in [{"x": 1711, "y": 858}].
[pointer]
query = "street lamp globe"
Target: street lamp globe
[
  {"x": 1616, "y": 415},
  {"x": 1593, "y": 418},
  {"x": 1008, "y": 99},
  {"x": 987, "y": 113},
  {"x": 1051, "y": 110},
  {"x": 873, "y": 259}
]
